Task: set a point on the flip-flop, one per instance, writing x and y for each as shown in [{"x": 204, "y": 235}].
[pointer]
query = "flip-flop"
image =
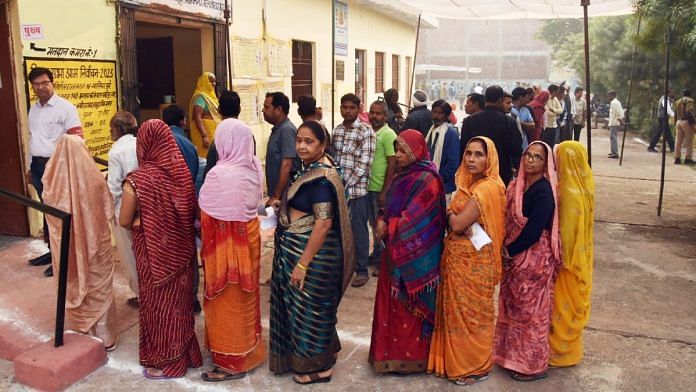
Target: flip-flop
[
  {"x": 528, "y": 377},
  {"x": 228, "y": 376},
  {"x": 471, "y": 380},
  {"x": 313, "y": 379},
  {"x": 149, "y": 376}
]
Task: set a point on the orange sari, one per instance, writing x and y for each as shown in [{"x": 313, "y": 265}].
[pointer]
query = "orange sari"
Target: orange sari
[
  {"x": 462, "y": 342},
  {"x": 231, "y": 252}
]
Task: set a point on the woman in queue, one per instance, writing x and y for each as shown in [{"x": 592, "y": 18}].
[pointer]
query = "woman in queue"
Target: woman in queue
[
  {"x": 412, "y": 227},
  {"x": 531, "y": 257},
  {"x": 571, "y": 309},
  {"x": 72, "y": 183},
  {"x": 462, "y": 343},
  {"x": 231, "y": 254},
  {"x": 158, "y": 206},
  {"x": 313, "y": 263}
]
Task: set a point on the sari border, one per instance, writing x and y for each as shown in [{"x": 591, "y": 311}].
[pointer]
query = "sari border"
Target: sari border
[{"x": 336, "y": 181}]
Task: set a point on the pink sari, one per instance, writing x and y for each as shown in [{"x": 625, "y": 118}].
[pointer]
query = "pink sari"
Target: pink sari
[{"x": 526, "y": 291}]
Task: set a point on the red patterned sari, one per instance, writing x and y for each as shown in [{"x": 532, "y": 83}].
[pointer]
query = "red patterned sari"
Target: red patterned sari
[{"x": 164, "y": 245}]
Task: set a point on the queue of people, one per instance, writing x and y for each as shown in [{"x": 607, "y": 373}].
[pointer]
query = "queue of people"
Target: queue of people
[{"x": 446, "y": 233}]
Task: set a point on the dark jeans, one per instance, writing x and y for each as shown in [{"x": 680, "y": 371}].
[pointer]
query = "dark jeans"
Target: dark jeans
[
  {"x": 374, "y": 209},
  {"x": 662, "y": 123},
  {"x": 38, "y": 167},
  {"x": 577, "y": 128},
  {"x": 566, "y": 132},
  {"x": 548, "y": 136},
  {"x": 359, "y": 218}
]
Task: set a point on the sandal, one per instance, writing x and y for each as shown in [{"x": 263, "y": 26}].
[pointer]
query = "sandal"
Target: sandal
[
  {"x": 226, "y": 375},
  {"x": 528, "y": 377},
  {"x": 360, "y": 280},
  {"x": 471, "y": 380},
  {"x": 151, "y": 376},
  {"x": 314, "y": 378}
]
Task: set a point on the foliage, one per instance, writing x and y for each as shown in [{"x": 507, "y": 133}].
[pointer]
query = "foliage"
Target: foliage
[{"x": 613, "y": 43}]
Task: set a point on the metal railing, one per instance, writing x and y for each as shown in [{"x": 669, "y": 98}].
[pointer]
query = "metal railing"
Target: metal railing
[{"x": 66, "y": 220}]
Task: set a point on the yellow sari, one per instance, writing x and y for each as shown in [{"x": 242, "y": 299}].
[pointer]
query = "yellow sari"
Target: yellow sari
[
  {"x": 205, "y": 91},
  {"x": 571, "y": 310},
  {"x": 462, "y": 342}
]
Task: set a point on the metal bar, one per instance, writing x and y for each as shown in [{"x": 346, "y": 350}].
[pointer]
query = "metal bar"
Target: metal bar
[
  {"x": 333, "y": 64},
  {"x": 227, "y": 45},
  {"x": 46, "y": 209},
  {"x": 66, "y": 222},
  {"x": 665, "y": 123},
  {"x": 62, "y": 280},
  {"x": 630, "y": 91},
  {"x": 584, "y": 4},
  {"x": 413, "y": 66}
]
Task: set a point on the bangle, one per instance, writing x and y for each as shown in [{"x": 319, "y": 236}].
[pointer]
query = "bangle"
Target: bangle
[{"x": 301, "y": 266}]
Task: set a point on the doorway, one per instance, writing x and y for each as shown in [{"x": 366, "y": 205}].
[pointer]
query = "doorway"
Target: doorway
[
  {"x": 169, "y": 62},
  {"x": 360, "y": 86},
  {"x": 13, "y": 216}
]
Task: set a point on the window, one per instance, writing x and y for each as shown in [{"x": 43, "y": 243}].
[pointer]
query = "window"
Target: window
[
  {"x": 408, "y": 75},
  {"x": 395, "y": 71},
  {"x": 302, "y": 69},
  {"x": 379, "y": 72}
]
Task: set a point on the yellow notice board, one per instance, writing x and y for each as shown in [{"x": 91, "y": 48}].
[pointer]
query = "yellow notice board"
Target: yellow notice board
[
  {"x": 247, "y": 58},
  {"x": 91, "y": 86}
]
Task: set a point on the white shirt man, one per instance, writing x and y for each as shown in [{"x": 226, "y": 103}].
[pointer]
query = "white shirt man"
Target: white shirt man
[
  {"x": 616, "y": 115},
  {"x": 49, "y": 119}
]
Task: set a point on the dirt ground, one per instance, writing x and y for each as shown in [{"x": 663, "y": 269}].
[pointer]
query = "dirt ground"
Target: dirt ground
[{"x": 642, "y": 332}]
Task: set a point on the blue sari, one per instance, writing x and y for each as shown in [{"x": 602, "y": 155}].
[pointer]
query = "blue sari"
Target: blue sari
[{"x": 303, "y": 335}]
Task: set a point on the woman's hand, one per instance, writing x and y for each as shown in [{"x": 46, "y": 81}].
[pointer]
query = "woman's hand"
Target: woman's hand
[
  {"x": 381, "y": 231},
  {"x": 206, "y": 141},
  {"x": 298, "y": 277}
]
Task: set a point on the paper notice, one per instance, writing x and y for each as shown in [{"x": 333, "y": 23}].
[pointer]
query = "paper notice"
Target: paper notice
[
  {"x": 269, "y": 221},
  {"x": 479, "y": 238}
]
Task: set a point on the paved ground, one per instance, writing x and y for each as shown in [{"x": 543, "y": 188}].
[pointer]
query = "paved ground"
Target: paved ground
[{"x": 642, "y": 334}]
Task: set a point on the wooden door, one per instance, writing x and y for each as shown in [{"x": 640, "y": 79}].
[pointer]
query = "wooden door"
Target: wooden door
[{"x": 13, "y": 216}]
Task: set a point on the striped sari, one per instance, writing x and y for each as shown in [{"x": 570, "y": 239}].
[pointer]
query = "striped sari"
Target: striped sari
[
  {"x": 303, "y": 323},
  {"x": 163, "y": 244}
]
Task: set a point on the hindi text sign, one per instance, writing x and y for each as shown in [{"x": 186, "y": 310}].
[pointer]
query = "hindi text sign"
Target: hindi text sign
[{"x": 90, "y": 85}]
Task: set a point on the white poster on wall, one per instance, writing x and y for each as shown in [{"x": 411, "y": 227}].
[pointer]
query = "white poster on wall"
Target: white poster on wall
[
  {"x": 32, "y": 31},
  {"x": 341, "y": 23},
  {"x": 210, "y": 8}
]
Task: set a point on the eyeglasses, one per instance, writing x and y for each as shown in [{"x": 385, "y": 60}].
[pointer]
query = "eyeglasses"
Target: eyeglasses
[
  {"x": 45, "y": 83},
  {"x": 533, "y": 157}
]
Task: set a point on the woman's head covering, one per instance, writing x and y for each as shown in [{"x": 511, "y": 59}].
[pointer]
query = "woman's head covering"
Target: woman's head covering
[
  {"x": 72, "y": 183},
  {"x": 465, "y": 179},
  {"x": 167, "y": 200},
  {"x": 489, "y": 195},
  {"x": 205, "y": 88},
  {"x": 576, "y": 205},
  {"x": 232, "y": 190},
  {"x": 413, "y": 143},
  {"x": 520, "y": 184},
  {"x": 540, "y": 99}
]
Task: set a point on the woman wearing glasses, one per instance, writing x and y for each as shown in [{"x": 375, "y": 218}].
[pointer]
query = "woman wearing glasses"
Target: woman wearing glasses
[{"x": 531, "y": 257}]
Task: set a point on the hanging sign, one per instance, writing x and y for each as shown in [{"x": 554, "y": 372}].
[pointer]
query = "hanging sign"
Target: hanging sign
[{"x": 341, "y": 23}]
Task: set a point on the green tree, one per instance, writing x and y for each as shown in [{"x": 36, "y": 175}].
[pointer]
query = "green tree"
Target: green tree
[{"x": 612, "y": 44}]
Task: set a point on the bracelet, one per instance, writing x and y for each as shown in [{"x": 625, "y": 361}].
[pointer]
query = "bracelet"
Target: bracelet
[{"x": 301, "y": 266}]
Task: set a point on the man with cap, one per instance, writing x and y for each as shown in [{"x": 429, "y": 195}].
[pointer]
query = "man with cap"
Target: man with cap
[{"x": 419, "y": 118}]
